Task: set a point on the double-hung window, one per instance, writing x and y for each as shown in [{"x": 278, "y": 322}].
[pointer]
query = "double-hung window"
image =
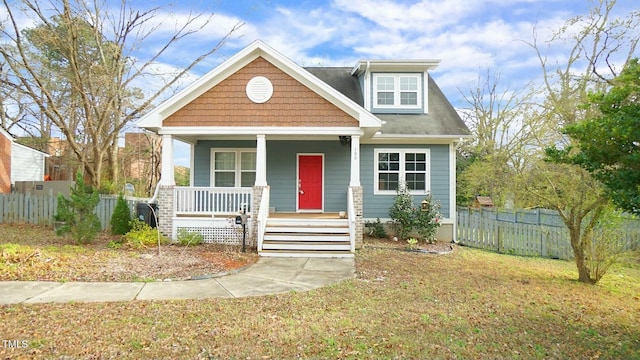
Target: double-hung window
[
  {"x": 395, "y": 167},
  {"x": 233, "y": 167},
  {"x": 397, "y": 91}
]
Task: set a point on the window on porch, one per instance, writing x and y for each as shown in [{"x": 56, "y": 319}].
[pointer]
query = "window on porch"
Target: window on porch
[{"x": 234, "y": 168}]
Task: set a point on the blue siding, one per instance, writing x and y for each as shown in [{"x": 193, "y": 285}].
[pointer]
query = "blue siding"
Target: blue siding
[
  {"x": 202, "y": 157},
  {"x": 378, "y": 205},
  {"x": 281, "y": 169},
  {"x": 281, "y": 172}
]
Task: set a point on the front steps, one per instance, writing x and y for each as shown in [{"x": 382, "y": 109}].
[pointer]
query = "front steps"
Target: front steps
[{"x": 306, "y": 237}]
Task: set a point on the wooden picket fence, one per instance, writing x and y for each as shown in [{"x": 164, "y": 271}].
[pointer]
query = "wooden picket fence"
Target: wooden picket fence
[
  {"x": 537, "y": 232},
  {"x": 40, "y": 209}
]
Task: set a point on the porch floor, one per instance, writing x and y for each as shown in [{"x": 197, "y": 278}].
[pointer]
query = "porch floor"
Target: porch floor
[{"x": 304, "y": 215}]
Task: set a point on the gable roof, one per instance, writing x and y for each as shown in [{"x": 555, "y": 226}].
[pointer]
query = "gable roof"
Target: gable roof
[
  {"x": 153, "y": 120},
  {"x": 6, "y": 134},
  {"x": 12, "y": 139}
]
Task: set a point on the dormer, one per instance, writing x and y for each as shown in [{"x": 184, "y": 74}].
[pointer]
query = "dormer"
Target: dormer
[{"x": 394, "y": 86}]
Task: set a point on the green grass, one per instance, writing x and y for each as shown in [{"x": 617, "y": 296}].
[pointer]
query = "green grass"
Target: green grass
[{"x": 467, "y": 305}]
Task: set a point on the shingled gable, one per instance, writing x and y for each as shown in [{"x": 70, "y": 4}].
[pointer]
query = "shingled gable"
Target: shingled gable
[{"x": 219, "y": 98}]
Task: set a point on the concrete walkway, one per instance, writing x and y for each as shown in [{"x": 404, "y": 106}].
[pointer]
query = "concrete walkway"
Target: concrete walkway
[{"x": 267, "y": 276}]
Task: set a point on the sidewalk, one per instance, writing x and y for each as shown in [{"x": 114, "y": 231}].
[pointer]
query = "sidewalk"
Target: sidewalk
[{"x": 267, "y": 276}]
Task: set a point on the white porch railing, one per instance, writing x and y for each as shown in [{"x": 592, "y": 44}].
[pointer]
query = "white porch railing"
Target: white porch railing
[
  {"x": 211, "y": 200},
  {"x": 351, "y": 213},
  {"x": 263, "y": 215}
]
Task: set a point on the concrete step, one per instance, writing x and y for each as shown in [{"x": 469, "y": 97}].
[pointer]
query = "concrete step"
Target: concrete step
[
  {"x": 306, "y": 246},
  {"x": 307, "y": 229},
  {"x": 303, "y": 253},
  {"x": 315, "y": 237}
]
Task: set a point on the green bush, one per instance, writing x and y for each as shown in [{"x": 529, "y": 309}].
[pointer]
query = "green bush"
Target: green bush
[
  {"x": 121, "y": 217},
  {"x": 427, "y": 219},
  {"x": 402, "y": 212},
  {"x": 376, "y": 229},
  {"x": 77, "y": 213},
  {"x": 187, "y": 238},
  {"x": 406, "y": 218},
  {"x": 142, "y": 235}
]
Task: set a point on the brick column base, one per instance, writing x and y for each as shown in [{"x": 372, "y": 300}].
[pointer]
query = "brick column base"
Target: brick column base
[
  {"x": 256, "y": 197},
  {"x": 165, "y": 210},
  {"x": 358, "y": 204}
]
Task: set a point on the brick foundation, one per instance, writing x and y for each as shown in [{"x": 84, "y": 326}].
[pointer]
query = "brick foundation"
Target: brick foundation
[{"x": 359, "y": 208}]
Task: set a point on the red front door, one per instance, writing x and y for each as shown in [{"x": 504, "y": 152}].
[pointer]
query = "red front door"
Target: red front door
[{"x": 309, "y": 182}]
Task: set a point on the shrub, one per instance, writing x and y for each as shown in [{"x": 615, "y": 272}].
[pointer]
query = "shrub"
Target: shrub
[
  {"x": 141, "y": 235},
  {"x": 78, "y": 212},
  {"x": 427, "y": 219},
  {"x": 121, "y": 217},
  {"x": 376, "y": 229},
  {"x": 405, "y": 217},
  {"x": 604, "y": 245},
  {"x": 401, "y": 212},
  {"x": 186, "y": 237}
]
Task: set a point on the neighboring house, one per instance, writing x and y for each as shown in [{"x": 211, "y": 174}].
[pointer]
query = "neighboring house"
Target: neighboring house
[
  {"x": 18, "y": 162},
  {"x": 6, "y": 140},
  {"x": 310, "y": 153}
]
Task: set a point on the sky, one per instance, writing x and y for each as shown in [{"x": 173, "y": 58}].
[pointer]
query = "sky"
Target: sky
[{"x": 469, "y": 37}]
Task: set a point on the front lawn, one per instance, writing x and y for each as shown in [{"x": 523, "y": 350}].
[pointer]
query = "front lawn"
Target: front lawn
[{"x": 468, "y": 304}]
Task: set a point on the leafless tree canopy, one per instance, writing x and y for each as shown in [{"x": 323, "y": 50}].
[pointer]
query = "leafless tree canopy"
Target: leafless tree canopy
[{"x": 74, "y": 70}]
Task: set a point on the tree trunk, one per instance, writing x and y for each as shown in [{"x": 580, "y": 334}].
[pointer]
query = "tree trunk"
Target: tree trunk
[
  {"x": 113, "y": 162},
  {"x": 584, "y": 275}
]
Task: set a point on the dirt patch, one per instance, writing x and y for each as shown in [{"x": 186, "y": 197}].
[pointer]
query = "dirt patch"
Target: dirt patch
[
  {"x": 35, "y": 253},
  {"x": 439, "y": 247}
]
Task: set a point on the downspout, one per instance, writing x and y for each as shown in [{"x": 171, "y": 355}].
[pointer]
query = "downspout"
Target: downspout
[
  {"x": 367, "y": 87},
  {"x": 455, "y": 214}
]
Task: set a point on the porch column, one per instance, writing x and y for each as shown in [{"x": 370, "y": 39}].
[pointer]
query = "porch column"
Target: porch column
[
  {"x": 167, "y": 178},
  {"x": 165, "y": 189},
  {"x": 355, "y": 161},
  {"x": 261, "y": 161}
]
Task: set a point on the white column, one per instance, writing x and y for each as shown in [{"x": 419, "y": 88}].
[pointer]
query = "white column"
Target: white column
[
  {"x": 261, "y": 160},
  {"x": 167, "y": 178},
  {"x": 355, "y": 161}
]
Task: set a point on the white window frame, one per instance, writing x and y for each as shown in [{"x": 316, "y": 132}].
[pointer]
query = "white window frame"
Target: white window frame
[
  {"x": 397, "y": 91},
  {"x": 238, "y": 164},
  {"x": 402, "y": 170}
]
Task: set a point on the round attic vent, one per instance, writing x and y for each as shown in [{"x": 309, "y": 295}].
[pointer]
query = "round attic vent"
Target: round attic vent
[{"x": 259, "y": 89}]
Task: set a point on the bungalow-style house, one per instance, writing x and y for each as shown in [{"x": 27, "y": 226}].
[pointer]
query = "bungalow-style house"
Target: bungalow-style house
[
  {"x": 309, "y": 153},
  {"x": 18, "y": 162}
]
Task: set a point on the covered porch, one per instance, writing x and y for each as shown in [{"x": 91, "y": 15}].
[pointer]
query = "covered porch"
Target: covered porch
[{"x": 269, "y": 185}]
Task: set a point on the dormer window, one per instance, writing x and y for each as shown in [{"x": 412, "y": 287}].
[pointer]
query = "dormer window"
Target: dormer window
[{"x": 402, "y": 91}]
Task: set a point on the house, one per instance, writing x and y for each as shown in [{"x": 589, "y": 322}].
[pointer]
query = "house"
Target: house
[
  {"x": 308, "y": 153},
  {"x": 18, "y": 162}
]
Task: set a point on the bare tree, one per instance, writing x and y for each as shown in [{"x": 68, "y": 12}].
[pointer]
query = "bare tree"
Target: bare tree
[
  {"x": 76, "y": 65},
  {"x": 594, "y": 42},
  {"x": 506, "y": 124}
]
